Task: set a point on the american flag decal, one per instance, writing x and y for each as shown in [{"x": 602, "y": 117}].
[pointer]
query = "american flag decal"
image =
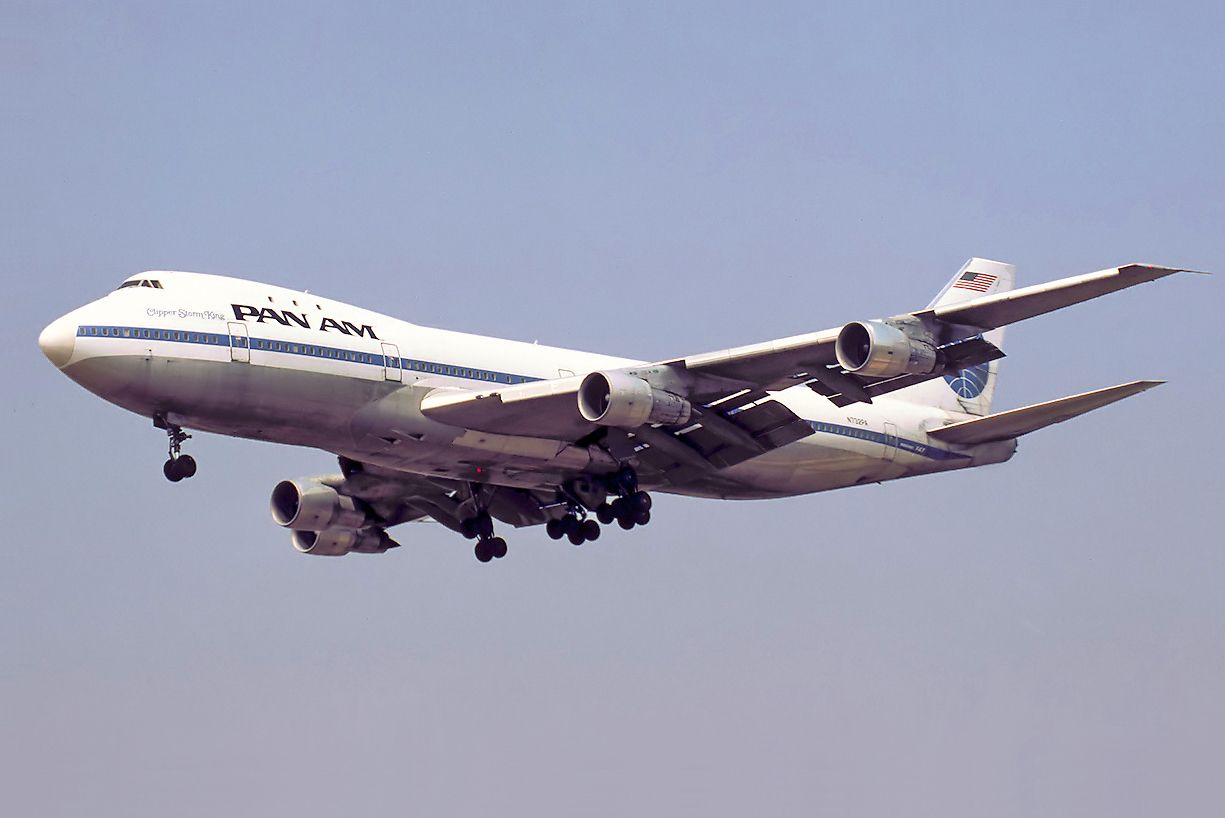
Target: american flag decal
[{"x": 978, "y": 282}]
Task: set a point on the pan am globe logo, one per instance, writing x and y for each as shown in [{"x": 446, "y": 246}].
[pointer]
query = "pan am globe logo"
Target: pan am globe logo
[{"x": 969, "y": 382}]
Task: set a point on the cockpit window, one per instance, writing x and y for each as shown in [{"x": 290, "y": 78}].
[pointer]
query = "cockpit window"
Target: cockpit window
[{"x": 142, "y": 282}]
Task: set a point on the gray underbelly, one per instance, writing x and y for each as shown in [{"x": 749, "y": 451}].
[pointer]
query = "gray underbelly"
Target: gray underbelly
[{"x": 230, "y": 398}]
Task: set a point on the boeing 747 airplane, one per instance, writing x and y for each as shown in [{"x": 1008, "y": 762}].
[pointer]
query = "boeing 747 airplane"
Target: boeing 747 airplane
[{"x": 470, "y": 430}]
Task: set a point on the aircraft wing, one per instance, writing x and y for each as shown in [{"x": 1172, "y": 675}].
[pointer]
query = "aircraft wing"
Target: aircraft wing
[
  {"x": 734, "y": 415},
  {"x": 993, "y": 311},
  {"x": 397, "y": 497},
  {"x": 735, "y": 427},
  {"x": 394, "y": 497},
  {"x": 810, "y": 358},
  {"x": 770, "y": 365},
  {"x": 546, "y": 409}
]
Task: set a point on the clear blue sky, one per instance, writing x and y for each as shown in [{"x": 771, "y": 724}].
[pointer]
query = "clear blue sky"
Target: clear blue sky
[{"x": 1045, "y": 638}]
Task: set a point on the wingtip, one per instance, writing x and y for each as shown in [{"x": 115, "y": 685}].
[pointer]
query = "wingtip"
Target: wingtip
[{"x": 1161, "y": 268}]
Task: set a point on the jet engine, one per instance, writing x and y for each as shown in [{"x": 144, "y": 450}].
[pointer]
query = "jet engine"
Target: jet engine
[
  {"x": 617, "y": 399},
  {"x": 336, "y": 542},
  {"x": 877, "y": 349},
  {"x": 311, "y": 505}
]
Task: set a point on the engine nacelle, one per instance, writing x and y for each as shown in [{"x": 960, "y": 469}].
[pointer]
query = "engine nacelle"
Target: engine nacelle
[
  {"x": 309, "y": 505},
  {"x": 336, "y": 542},
  {"x": 880, "y": 350},
  {"x": 617, "y": 399}
]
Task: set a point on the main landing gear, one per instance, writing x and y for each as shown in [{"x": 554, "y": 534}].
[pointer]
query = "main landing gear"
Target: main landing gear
[
  {"x": 629, "y": 511},
  {"x": 480, "y": 528},
  {"x": 178, "y": 466},
  {"x": 575, "y": 526},
  {"x": 632, "y": 507}
]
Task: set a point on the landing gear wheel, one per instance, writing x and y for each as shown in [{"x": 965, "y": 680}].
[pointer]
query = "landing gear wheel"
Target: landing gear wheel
[
  {"x": 483, "y": 551},
  {"x": 556, "y": 529},
  {"x": 643, "y": 518},
  {"x": 605, "y": 514},
  {"x": 572, "y": 528},
  {"x": 179, "y": 468},
  {"x": 497, "y": 547},
  {"x": 468, "y": 528},
  {"x": 186, "y": 466},
  {"x": 591, "y": 530},
  {"x": 640, "y": 501},
  {"x": 626, "y": 522}
]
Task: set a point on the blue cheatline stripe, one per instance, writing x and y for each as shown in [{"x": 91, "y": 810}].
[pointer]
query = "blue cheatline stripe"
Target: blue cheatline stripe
[
  {"x": 309, "y": 350},
  {"x": 912, "y": 446},
  {"x": 435, "y": 368}
]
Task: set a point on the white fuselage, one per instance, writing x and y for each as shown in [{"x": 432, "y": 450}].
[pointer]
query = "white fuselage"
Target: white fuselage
[{"x": 252, "y": 360}]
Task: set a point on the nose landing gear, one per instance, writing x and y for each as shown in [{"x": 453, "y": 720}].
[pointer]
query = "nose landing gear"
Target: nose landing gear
[{"x": 178, "y": 466}]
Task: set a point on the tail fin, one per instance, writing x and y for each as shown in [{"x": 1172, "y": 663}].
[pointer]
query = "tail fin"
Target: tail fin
[{"x": 970, "y": 390}]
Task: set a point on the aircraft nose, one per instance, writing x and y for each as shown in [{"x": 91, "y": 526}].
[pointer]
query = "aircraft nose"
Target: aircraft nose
[{"x": 58, "y": 339}]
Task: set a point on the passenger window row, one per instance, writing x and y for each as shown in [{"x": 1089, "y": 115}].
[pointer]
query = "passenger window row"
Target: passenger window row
[
  {"x": 157, "y": 335},
  {"x": 331, "y": 353},
  {"x": 847, "y": 431},
  {"x": 464, "y": 372},
  {"x": 320, "y": 352}
]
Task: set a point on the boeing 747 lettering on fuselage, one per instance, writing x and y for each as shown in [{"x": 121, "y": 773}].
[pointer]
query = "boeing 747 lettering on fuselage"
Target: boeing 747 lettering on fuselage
[{"x": 473, "y": 431}]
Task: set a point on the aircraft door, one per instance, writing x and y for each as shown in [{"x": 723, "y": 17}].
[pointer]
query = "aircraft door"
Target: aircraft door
[
  {"x": 240, "y": 342},
  {"x": 890, "y": 441},
  {"x": 392, "y": 367}
]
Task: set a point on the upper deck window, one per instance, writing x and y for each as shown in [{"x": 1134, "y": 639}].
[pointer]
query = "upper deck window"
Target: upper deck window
[{"x": 142, "y": 282}]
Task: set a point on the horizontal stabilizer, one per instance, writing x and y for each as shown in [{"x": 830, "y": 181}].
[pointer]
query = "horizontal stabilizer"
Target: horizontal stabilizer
[{"x": 1019, "y": 422}]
